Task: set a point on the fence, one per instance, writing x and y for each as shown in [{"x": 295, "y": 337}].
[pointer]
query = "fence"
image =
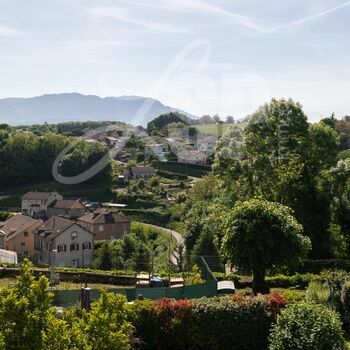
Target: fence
[{"x": 68, "y": 298}]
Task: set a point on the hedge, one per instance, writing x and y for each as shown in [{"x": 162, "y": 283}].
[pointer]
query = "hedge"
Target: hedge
[
  {"x": 237, "y": 323},
  {"x": 278, "y": 281}
]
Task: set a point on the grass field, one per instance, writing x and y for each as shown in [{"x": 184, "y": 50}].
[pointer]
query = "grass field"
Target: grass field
[{"x": 212, "y": 129}]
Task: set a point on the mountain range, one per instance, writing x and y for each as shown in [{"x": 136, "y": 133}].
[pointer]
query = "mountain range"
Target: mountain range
[{"x": 57, "y": 108}]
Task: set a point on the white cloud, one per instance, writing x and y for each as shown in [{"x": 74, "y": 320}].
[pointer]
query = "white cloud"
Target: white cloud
[{"x": 6, "y": 32}]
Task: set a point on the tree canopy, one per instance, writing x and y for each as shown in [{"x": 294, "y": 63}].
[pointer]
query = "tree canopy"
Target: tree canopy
[{"x": 260, "y": 235}]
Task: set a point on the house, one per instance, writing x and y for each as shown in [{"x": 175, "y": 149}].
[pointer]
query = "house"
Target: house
[
  {"x": 139, "y": 172},
  {"x": 192, "y": 157},
  {"x": 106, "y": 224},
  {"x": 111, "y": 141},
  {"x": 157, "y": 149},
  {"x": 71, "y": 209},
  {"x": 64, "y": 243},
  {"x": 206, "y": 144},
  {"x": 19, "y": 235},
  {"x": 35, "y": 204}
]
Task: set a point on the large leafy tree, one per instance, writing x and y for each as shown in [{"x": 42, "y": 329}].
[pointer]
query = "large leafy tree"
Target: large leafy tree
[
  {"x": 278, "y": 156},
  {"x": 260, "y": 235}
]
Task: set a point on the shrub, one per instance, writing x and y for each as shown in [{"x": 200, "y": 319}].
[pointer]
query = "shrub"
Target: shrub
[
  {"x": 345, "y": 298},
  {"x": 232, "y": 323},
  {"x": 293, "y": 296},
  {"x": 335, "y": 281},
  {"x": 278, "y": 281},
  {"x": 276, "y": 302},
  {"x": 309, "y": 327},
  {"x": 106, "y": 325},
  {"x": 317, "y": 293},
  {"x": 140, "y": 315},
  {"x": 174, "y": 323}
]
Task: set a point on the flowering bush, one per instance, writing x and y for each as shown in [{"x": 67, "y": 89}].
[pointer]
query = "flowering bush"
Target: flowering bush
[{"x": 276, "y": 302}]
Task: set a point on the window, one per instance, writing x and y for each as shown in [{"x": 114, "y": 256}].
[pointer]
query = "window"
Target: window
[
  {"x": 86, "y": 245},
  {"x": 101, "y": 228},
  {"x": 25, "y": 253},
  {"x": 74, "y": 246},
  {"x": 25, "y": 234},
  {"x": 23, "y": 244},
  {"x": 61, "y": 248},
  {"x": 74, "y": 235}
]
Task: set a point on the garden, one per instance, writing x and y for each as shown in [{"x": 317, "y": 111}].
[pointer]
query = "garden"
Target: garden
[{"x": 319, "y": 319}]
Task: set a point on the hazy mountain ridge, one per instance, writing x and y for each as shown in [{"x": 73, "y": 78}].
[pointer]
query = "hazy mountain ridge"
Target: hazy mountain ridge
[{"x": 56, "y": 108}]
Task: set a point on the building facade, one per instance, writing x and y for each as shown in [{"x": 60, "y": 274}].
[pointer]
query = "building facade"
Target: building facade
[
  {"x": 35, "y": 204},
  {"x": 20, "y": 235},
  {"x": 70, "y": 209},
  {"x": 106, "y": 224},
  {"x": 63, "y": 243},
  {"x": 192, "y": 157}
]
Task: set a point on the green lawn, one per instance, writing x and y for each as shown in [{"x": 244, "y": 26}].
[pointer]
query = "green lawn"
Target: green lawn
[{"x": 211, "y": 129}]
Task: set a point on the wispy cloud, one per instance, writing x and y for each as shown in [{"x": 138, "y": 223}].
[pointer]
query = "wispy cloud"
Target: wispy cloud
[
  {"x": 124, "y": 15},
  {"x": 200, "y": 6},
  {"x": 6, "y": 32},
  {"x": 310, "y": 18}
]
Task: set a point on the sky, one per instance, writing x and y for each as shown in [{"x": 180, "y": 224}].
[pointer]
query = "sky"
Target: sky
[{"x": 223, "y": 57}]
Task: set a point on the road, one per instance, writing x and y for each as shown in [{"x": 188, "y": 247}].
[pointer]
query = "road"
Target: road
[{"x": 174, "y": 235}]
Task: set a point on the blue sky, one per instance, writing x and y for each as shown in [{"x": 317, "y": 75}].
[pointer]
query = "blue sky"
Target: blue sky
[{"x": 206, "y": 57}]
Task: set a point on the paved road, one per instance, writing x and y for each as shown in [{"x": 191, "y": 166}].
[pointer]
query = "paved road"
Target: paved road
[{"x": 174, "y": 235}]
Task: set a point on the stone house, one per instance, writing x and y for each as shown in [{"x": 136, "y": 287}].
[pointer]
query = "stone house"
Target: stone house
[
  {"x": 64, "y": 243},
  {"x": 139, "y": 172},
  {"x": 192, "y": 157},
  {"x": 106, "y": 224},
  {"x": 70, "y": 209},
  {"x": 35, "y": 204},
  {"x": 19, "y": 235}
]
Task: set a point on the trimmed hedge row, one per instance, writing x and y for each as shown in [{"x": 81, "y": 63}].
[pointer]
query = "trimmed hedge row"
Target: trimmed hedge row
[
  {"x": 78, "y": 277},
  {"x": 237, "y": 323},
  {"x": 278, "y": 281}
]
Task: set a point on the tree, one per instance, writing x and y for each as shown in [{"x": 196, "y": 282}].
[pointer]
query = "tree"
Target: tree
[
  {"x": 278, "y": 156},
  {"x": 260, "y": 235},
  {"x": 216, "y": 118},
  {"x": 105, "y": 259},
  {"x": 24, "y": 311},
  {"x": 106, "y": 325},
  {"x": 161, "y": 123},
  {"x": 206, "y": 248},
  {"x": 230, "y": 119}
]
